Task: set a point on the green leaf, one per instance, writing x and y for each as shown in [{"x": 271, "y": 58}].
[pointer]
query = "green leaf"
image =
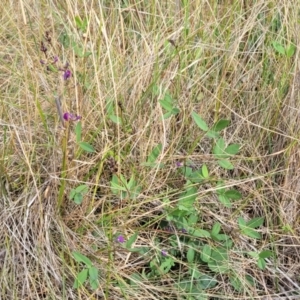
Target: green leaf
[
  {"x": 82, "y": 189},
  {"x": 240, "y": 285},
  {"x": 255, "y": 222},
  {"x": 175, "y": 111},
  {"x": 233, "y": 194},
  {"x": 154, "y": 153},
  {"x": 65, "y": 40},
  {"x": 140, "y": 250},
  {"x": 78, "y": 198},
  {"x": 246, "y": 230},
  {"x": 86, "y": 147},
  {"x": 226, "y": 164},
  {"x": 250, "y": 280},
  {"x": 219, "y": 149},
  {"x": 196, "y": 176},
  {"x": 193, "y": 219},
  {"x": 131, "y": 184},
  {"x": 251, "y": 233},
  {"x": 115, "y": 119},
  {"x": 109, "y": 106},
  {"x": 219, "y": 254},
  {"x": 261, "y": 263},
  {"x": 212, "y": 134},
  {"x": 220, "y": 125},
  {"x": 220, "y": 146},
  {"x": 84, "y": 24},
  {"x": 131, "y": 240},
  {"x": 93, "y": 276},
  {"x": 190, "y": 255},
  {"x": 184, "y": 286},
  {"x": 205, "y": 171},
  {"x": 265, "y": 254},
  {"x": 80, "y": 278},
  {"x": 193, "y": 271},
  {"x": 82, "y": 258},
  {"x": 236, "y": 283},
  {"x": 72, "y": 194},
  {"x": 52, "y": 68},
  {"x": 290, "y": 50},
  {"x": 185, "y": 171},
  {"x": 206, "y": 253},
  {"x": 254, "y": 254},
  {"x": 233, "y": 149},
  {"x": 187, "y": 199},
  {"x": 221, "y": 237},
  {"x": 224, "y": 200},
  {"x": 134, "y": 192},
  {"x": 200, "y": 233},
  {"x": 206, "y": 282},
  {"x": 166, "y": 103},
  {"x": 228, "y": 243},
  {"x": 155, "y": 90},
  {"x": 79, "y": 51},
  {"x": 78, "y": 130},
  {"x": 199, "y": 121},
  {"x": 78, "y": 21},
  {"x": 115, "y": 185},
  {"x": 166, "y": 265},
  {"x": 278, "y": 47},
  {"x": 183, "y": 222},
  {"x": 220, "y": 188},
  {"x": 216, "y": 228},
  {"x": 218, "y": 267},
  {"x": 242, "y": 222},
  {"x": 167, "y": 115}
]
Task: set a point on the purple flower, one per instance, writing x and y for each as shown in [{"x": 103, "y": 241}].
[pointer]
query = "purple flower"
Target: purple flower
[
  {"x": 42, "y": 62},
  {"x": 71, "y": 117},
  {"x": 67, "y": 74},
  {"x": 120, "y": 239},
  {"x": 179, "y": 164},
  {"x": 55, "y": 59},
  {"x": 164, "y": 253}
]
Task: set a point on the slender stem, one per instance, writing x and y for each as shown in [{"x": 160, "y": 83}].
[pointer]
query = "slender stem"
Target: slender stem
[
  {"x": 64, "y": 169},
  {"x": 58, "y": 106}
]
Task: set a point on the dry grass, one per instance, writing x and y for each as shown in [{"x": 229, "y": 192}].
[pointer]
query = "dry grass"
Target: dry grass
[{"x": 215, "y": 58}]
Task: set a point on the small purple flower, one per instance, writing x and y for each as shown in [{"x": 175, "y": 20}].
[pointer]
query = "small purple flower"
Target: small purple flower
[
  {"x": 71, "y": 117},
  {"x": 55, "y": 59},
  {"x": 183, "y": 230},
  {"x": 164, "y": 253},
  {"x": 42, "y": 62},
  {"x": 67, "y": 74},
  {"x": 120, "y": 239},
  {"x": 179, "y": 164}
]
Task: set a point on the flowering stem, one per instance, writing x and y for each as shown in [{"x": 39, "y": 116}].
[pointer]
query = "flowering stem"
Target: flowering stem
[
  {"x": 63, "y": 169},
  {"x": 58, "y": 106}
]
